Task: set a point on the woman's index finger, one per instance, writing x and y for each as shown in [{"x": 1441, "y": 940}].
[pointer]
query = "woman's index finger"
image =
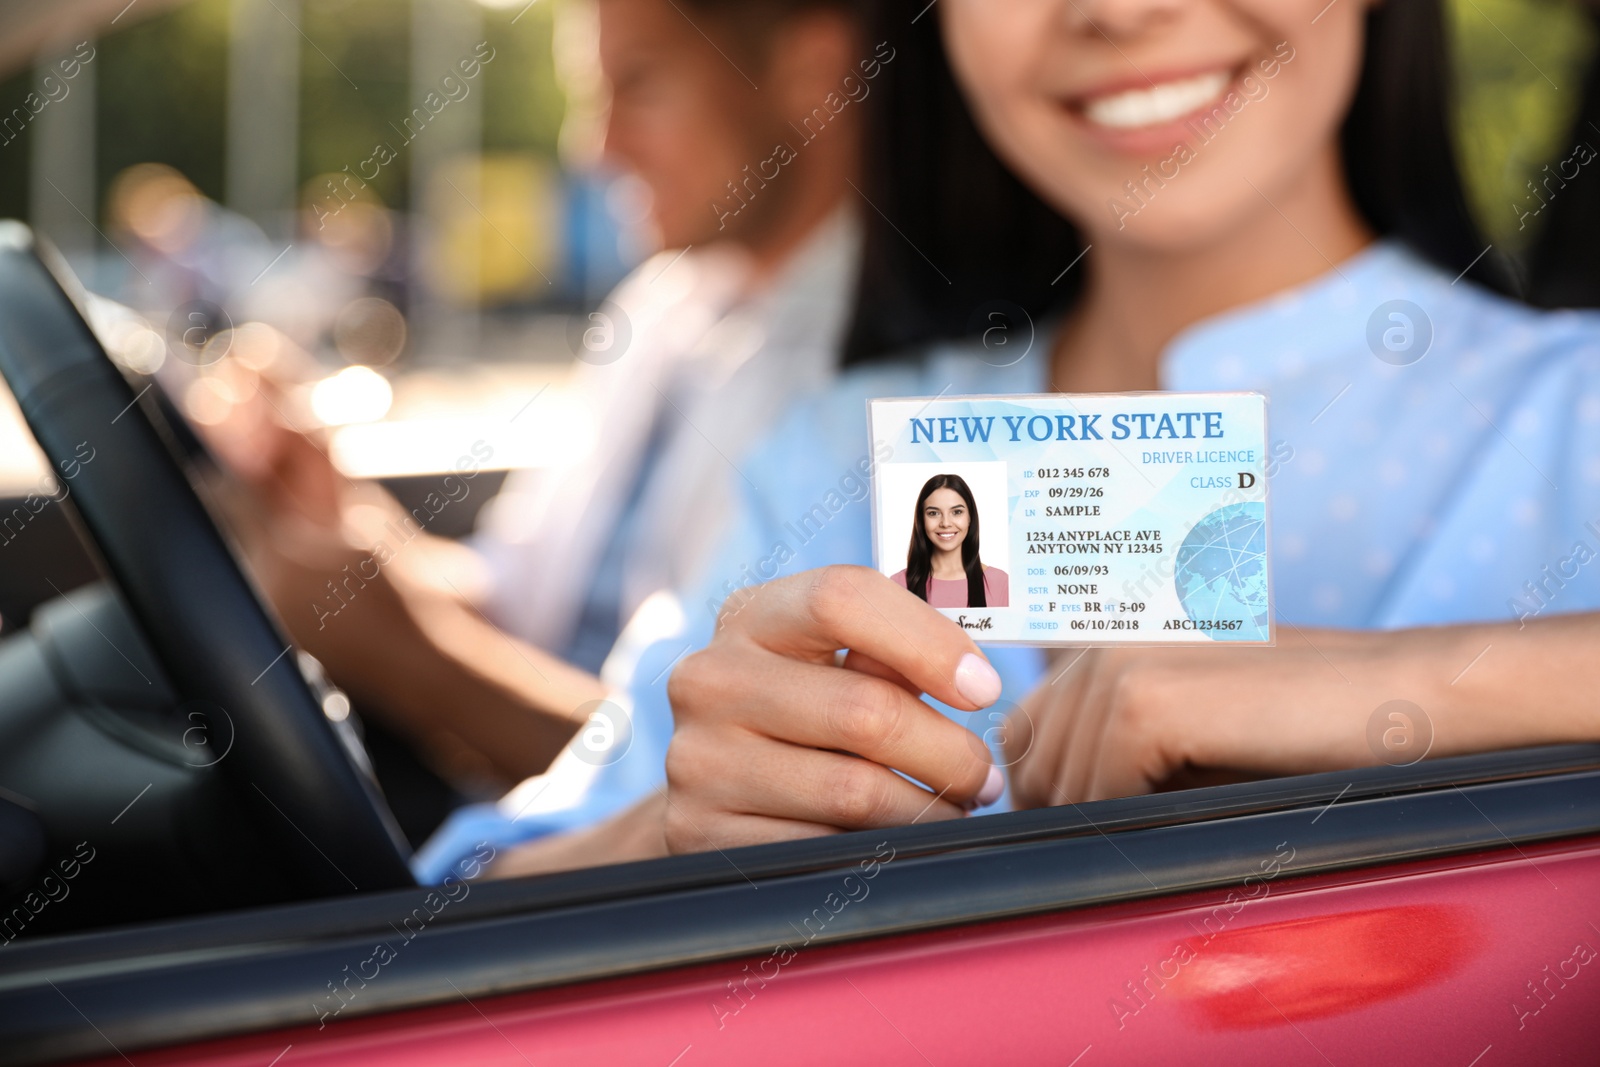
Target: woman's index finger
[{"x": 857, "y": 608}]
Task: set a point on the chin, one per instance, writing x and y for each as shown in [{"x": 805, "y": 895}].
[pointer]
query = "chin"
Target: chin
[
  {"x": 1180, "y": 217},
  {"x": 1174, "y": 229},
  {"x": 678, "y": 233}
]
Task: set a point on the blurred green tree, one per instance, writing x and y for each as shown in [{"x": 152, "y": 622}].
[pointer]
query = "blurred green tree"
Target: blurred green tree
[
  {"x": 162, "y": 92},
  {"x": 1520, "y": 69},
  {"x": 161, "y": 95}
]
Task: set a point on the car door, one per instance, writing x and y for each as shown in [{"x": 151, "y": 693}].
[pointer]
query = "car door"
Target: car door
[{"x": 1441, "y": 913}]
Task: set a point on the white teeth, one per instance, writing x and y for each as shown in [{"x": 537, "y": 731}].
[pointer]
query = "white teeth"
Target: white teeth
[{"x": 1157, "y": 104}]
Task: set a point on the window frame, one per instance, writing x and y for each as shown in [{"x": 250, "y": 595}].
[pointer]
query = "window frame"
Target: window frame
[{"x": 162, "y": 984}]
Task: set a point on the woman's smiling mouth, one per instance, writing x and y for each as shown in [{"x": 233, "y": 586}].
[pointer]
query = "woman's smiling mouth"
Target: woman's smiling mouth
[
  {"x": 1149, "y": 114},
  {"x": 1157, "y": 104}
]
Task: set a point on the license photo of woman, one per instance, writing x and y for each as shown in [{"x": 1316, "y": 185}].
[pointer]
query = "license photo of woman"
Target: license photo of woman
[{"x": 943, "y": 565}]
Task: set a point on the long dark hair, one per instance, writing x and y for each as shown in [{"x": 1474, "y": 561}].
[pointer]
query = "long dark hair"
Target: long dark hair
[
  {"x": 919, "y": 557},
  {"x": 966, "y": 233},
  {"x": 1564, "y": 270}
]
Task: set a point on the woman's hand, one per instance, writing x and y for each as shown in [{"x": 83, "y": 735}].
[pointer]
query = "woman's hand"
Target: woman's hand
[
  {"x": 1118, "y": 722},
  {"x": 630, "y": 836},
  {"x": 775, "y": 740}
]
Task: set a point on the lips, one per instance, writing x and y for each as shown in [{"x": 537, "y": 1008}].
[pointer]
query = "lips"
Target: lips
[{"x": 1156, "y": 105}]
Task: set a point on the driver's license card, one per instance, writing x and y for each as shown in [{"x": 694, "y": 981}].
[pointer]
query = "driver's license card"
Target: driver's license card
[{"x": 1130, "y": 518}]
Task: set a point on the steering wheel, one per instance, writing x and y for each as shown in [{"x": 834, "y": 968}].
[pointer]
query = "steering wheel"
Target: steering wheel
[{"x": 208, "y": 626}]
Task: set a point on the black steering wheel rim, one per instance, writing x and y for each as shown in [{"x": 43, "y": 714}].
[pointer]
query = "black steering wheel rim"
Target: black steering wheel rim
[{"x": 201, "y": 613}]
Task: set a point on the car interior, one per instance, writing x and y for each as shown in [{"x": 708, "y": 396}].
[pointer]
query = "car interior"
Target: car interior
[
  {"x": 129, "y": 694},
  {"x": 168, "y": 758}
]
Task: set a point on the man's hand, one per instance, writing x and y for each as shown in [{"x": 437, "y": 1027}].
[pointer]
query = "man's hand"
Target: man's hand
[
  {"x": 395, "y": 622},
  {"x": 277, "y": 450},
  {"x": 777, "y": 740}
]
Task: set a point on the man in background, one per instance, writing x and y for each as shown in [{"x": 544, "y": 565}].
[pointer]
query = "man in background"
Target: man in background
[
  {"x": 712, "y": 105},
  {"x": 741, "y": 117}
]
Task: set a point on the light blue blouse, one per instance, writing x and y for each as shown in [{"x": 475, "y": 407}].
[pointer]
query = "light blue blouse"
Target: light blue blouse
[{"x": 1463, "y": 485}]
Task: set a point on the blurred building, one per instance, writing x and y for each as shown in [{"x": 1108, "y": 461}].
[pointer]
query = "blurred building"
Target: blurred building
[{"x": 446, "y": 178}]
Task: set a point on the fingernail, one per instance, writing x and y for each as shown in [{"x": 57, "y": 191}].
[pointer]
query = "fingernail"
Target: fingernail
[
  {"x": 993, "y": 786},
  {"x": 977, "y": 681}
]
